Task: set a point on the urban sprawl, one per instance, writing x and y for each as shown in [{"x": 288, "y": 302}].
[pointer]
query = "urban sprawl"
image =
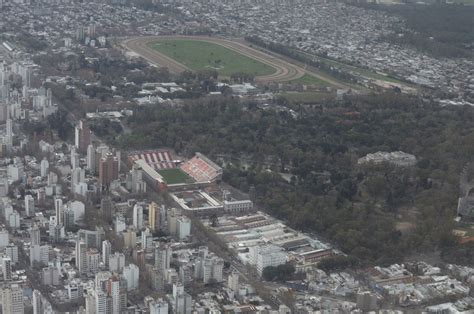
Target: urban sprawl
[{"x": 89, "y": 228}]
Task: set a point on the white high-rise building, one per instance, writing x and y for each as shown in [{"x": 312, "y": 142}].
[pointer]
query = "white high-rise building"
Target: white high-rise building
[
  {"x": 91, "y": 158},
  {"x": 163, "y": 254},
  {"x": 233, "y": 282},
  {"x": 162, "y": 219},
  {"x": 14, "y": 220},
  {"x": 116, "y": 262},
  {"x": 90, "y": 301},
  {"x": 50, "y": 275},
  {"x": 25, "y": 72},
  {"x": 101, "y": 278},
  {"x": 29, "y": 205},
  {"x": 182, "y": 301},
  {"x": 100, "y": 301},
  {"x": 138, "y": 217},
  {"x": 9, "y": 134},
  {"x": 138, "y": 185},
  {"x": 59, "y": 209},
  {"x": 81, "y": 257},
  {"x": 208, "y": 268},
  {"x": 3, "y": 187},
  {"x": 37, "y": 302},
  {"x": 92, "y": 238},
  {"x": 93, "y": 260},
  {"x": 78, "y": 178},
  {"x": 265, "y": 256},
  {"x": 74, "y": 290},
  {"x": 3, "y": 70},
  {"x": 79, "y": 210},
  {"x": 106, "y": 252},
  {"x": 74, "y": 158},
  {"x": 44, "y": 167},
  {"x": 153, "y": 215},
  {"x": 39, "y": 254},
  {"x": 4, "y": 238},
  {"x": 56, "y": 230},
  {"x": 147, "y": 240},
  {"x": 35, "y": 235},
  {"x": 68, "y": 217},
  {"x": 120, "y": 224},
  {"x": 12, "y": 251},
  {"x": 52, "y": 178},
  {"x": 7, "y": 268},
  {"x": 16, "y": 171},
  {"x": 113, "y": 289},
  {"x": 7, "y": 211},
  {"x": 12, "y": 299},
  {"x": 131, "y": 274},
  {"x": 81, "y": 189},
  {"x": 158, "y": 307},
  {"x": 183, "y": 227}
]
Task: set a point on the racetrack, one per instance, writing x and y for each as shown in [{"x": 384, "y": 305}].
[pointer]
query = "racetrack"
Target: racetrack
[{"x": 284, "y": 71}]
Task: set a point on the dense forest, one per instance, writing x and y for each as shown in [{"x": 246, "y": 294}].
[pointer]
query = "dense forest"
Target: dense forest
[
  {"x": 357, "y": 207},
  {"x": 440, "y": 30}
]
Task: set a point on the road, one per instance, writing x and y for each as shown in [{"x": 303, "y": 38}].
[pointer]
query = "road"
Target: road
[{"x": 284, "y": 71}]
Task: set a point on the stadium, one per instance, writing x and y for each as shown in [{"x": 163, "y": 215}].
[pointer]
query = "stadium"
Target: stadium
[
  {"x": 162, "y": 172},
  {"x": 192, "y": 183}
]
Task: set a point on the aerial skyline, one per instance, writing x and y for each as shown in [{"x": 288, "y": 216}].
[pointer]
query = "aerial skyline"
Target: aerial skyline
[{"x": 260, "y": 156}]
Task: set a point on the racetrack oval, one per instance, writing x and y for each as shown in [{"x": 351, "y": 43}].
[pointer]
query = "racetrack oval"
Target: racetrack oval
[{"x": 284, "y": 71}]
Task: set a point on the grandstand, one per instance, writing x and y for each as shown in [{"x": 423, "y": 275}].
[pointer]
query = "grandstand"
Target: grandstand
[
  {"x": 202, "y": 169},
  {"x": 157, "y": 159},
  {"x": 153, "y": 178}
]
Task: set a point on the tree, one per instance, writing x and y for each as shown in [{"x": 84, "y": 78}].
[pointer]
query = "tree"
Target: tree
[
  {"x": 357, "y": 207},
  {"x": 338, "y": 262},
  {"x": 214, "y": 220},
  {"x": 270, "y": 273},
  {"x": 282, "y": 272}
]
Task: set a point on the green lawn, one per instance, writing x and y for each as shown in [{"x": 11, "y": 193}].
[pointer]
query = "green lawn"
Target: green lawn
[
  {"x": 308, "y": 79},
  {"x": 175, "y": 176},
  {"x": 200, "y": 55}
]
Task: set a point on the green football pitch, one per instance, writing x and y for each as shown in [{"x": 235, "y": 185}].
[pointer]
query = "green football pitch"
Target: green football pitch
[{"x": 175, "y": 176}]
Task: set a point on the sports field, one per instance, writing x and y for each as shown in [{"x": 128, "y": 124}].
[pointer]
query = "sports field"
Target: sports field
[
  {"x": 200, "y": 55},
  {"x": 175, "y": 176}
]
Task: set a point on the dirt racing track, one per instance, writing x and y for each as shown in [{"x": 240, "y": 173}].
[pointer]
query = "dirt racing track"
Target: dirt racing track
[{"x": 284, "y": 71}]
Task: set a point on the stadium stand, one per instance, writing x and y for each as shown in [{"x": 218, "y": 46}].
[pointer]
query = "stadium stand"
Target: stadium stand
[
  {"x": 160, "y": 159},
  {"x": 202, "y": 169},
  {"x": 153, "y": 178}
]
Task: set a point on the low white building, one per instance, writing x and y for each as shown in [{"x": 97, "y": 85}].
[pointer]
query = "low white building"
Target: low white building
[
  {"x": 266, "y": 256},
  {"x": 238, "y": 206},
  {"x": 398, "y": 158}
]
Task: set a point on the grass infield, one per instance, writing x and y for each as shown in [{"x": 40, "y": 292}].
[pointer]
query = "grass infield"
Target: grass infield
[{"x": 200, "y": 55}]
